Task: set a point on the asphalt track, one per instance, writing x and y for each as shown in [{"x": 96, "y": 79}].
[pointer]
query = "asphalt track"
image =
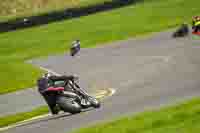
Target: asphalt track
[{"x": 147, "y": 73}]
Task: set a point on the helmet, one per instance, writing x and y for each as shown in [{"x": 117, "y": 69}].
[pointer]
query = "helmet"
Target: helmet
[
  {"x": 196, "y": 18},
  {"x": 46, "y": 75},
  {"x": 75, "y": 77}
]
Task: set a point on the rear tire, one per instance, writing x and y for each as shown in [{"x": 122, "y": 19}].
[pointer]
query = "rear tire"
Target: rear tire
[
  {"x": 69, "y": 105},
  {"x": 72, "y": 52}
]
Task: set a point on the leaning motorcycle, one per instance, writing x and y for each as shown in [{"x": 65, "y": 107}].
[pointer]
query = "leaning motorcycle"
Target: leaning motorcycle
[
  {"x": 74, "y": 50},
  {"x": 182, "y": 31},
  {"x": 72, "y": 98}
]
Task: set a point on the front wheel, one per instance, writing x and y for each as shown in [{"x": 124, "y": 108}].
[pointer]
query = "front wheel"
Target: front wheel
[
  {"x": 69, "y": 105},
  {"x": 94, "y": 102}
]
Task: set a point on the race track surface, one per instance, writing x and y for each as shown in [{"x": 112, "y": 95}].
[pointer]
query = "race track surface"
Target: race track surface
[{"x": 146, "y": 73}]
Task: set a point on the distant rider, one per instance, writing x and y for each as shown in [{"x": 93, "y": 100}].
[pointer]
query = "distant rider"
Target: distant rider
[
  {"x": 182, "y": 31},
  {"x": 196, "y": 24},
  {"x": 75, "y": 48},
  {"x": 185, "y": 28}
]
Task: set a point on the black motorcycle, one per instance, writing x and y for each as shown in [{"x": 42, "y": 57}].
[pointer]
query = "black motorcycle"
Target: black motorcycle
[
  {"x": 72, "y": 98},
  {"x": 74, "y": 50},
  {"x": 182, "y": 31}
]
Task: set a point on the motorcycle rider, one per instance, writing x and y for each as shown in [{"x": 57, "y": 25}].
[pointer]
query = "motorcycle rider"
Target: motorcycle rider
[
  {"x": 182, "y": 31},
  {"x": 196, "y": 24},
  {"x": 75, "y": 48},
  {"x": 46, "y": 81},
  {"x": 76, "y": 43}
]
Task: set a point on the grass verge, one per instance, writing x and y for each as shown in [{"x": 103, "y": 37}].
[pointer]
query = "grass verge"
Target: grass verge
[
  {"x": 182, "y": 118},
  {"x": 11, "y": 119},
  {"x": 141, "y": 18},
  {"x": 10, "y": 9}
]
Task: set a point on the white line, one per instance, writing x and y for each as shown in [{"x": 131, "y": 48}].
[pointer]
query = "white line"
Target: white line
[{"x": 50, "y": 71}]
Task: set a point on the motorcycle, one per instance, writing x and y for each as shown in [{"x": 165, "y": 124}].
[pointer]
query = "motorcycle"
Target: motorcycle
[
  {"x": 74, "y": 50},
  {"x": 72, "y": 98},
  {"x": 181, "y": 31},
  {"x": 196, "y": 30}
]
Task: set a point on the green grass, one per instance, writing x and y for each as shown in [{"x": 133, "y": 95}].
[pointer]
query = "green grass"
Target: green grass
[
  {"x": 19, "y": 8},
  {"x": 19, "y": 117},
  {"x": 11, "y": 119},
  {"x": 184, "y": 118},
  {"x": 17, "y": 47},
  {"x": 180, "y": 118}
]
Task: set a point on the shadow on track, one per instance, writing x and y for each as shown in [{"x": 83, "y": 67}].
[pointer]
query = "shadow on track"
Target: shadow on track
[{"x": 21, "y": 23}]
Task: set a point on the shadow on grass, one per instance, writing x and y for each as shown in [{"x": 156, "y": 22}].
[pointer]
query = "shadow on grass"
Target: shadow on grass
[{"x": 21, "y": 23}]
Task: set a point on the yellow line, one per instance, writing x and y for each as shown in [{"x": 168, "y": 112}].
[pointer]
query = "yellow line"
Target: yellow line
[
  {"x": 105, "y": 93},
  {"x": 100, "y": 95}
]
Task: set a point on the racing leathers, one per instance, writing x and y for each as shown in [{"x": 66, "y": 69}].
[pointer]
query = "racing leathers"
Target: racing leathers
[
  {"x": 196, "y": 24},
  {"x": 75, "y": 48}
]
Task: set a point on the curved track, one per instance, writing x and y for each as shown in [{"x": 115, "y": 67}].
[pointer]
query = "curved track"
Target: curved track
[{"x": 146, "y": 72}]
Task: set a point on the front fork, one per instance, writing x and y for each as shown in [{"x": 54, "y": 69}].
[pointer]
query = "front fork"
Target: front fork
[{"x": 72, "y": 95}]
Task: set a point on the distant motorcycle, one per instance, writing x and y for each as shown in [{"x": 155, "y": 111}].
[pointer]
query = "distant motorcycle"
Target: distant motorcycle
[
  {"x": 181, "y": 31},
  {"x": 72, "y": 98},
  {"x": 74, "y": 50}
]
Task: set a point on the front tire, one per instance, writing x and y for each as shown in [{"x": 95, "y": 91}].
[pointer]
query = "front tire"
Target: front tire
[
  {"x": 94, "y": 102},
  {"x": 69, "y": 105}
]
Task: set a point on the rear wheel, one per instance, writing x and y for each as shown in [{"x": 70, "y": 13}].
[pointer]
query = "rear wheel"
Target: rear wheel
[
  {"x": 69, "y": 105},
  {"x": 72, "y": 52}
]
